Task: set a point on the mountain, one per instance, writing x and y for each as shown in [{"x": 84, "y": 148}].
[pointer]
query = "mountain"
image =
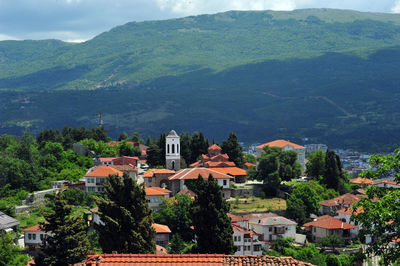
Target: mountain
[{"x": 331, "y": 76}]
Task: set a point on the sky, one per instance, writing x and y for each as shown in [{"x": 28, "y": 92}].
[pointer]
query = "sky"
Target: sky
[{"x": 81, "y": 20}]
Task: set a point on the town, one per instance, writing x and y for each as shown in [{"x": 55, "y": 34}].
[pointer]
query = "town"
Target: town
[{"x": 282, "y": 203}]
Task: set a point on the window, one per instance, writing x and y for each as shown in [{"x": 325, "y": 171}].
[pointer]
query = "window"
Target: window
[
  {"x": 90, "y": 180},
  {"x": 239, "y": 238},
  {"x": 91, "y": 189},
  {"x": 34, "y": 236},
  {"x": 315, "y": 229},
  {"x": 173, "y": 148},
  {"x": 224, "y": 182},
  {"x": 238, "y": 248},
  {"x": 167, "y": 148},
  {"x": 150, "y": 180},
  {"x": 29, "y": 236},
  {"x": 41, "y": 237},
  {"x": 257, "y": 247},
  {"x": 235, "y": 238},
  {"x": 270, "y": 228}
]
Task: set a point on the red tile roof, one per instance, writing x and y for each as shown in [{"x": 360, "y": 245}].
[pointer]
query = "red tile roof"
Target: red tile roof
[
  {"x": 234, "y": 171},
  {"x": 156, "y": 191},
  {"x": 360, "y": 180},
  {"x": 107, "y": 159},
  {"x": 280, "y": 143},
  {"x": 35, "y": 228},
  {"x": 248, "y": 165},
  {"x": 386, "y": 181},
  {"x": 103, "y": 171},
  {"x": 214, "y": 147},
  {"x": 187, "y": 192},
  {"x": 193, "y": 173},
  {"x": 194, "y": 164},
  {"x": 349, "y": 211},
  {"x": 211, "y": 164},
  {"x": 161, "y": 229},
  {"x": 236, "y": 218},
  {"x": 153, "y": 172},
  {"x": 330, "y": 223},
  {"x": 189, "y": 259},
  {"x": 124, "y": 167},
  {"x": 345, "y": 199},
  {"x": 161, "y": 250}
]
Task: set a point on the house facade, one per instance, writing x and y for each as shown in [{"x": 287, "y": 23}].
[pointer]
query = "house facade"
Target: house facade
[
  {"x": 245, "y": 241},
  {"x": 97, "y": 177},
  {"x": 271, "y": 226},
  {"x": 158, "y": 178},
  {"x": 332, "y": 205},
  {"x": 33, "y": 238},
  {"x": 154, "y": 196}
]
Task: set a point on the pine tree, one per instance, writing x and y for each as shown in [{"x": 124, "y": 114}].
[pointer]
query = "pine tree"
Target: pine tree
[
  {"x": 126, "y": 218},
  {"x": 212, "y": 226},
  {"x": 333, "y": 176},
  {"x": 67, "y": 242},
  {"x": 232, "y": 147}
]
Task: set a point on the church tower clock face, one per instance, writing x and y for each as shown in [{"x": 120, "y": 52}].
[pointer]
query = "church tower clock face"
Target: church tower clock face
[{"x": 172, "y": 151}]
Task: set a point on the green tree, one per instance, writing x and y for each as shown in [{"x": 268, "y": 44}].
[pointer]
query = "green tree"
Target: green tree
[
  {"x": 276, "y": 165},
  {"x": 233, "y": 149},
  {"x": 125, "y": 149},
  {"x": 315, "y": 166},
  {"x": 250, "y": 158},
  {"x": 302, "y": 202},
  {"x": 10, "y": 254},
  {"x": 177, "y": 245},
  {"x": 155, "y": 156},
  {"x": 126, "y": 218},
  {"x": 211, "y": 224},
  {"x": 175, "y": 212},
  {"x": 67, "y": 243},
  {"x": 123, "y": 136},
  {"x": 333, "y": 176},
  {"x": 331, "y": 240},
  {"x": 136, "y": 137},
  {"x": 380, "y": 215}
]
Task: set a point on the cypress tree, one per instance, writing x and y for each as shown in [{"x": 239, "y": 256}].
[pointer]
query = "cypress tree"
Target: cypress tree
[
  {"x": 67, "y": 242},
  {"x": 126, "y": 218},
  {"x": 212, "y": 226},
  {"x": 232, "y": 147},
  {"x": 333, "y": 175}
]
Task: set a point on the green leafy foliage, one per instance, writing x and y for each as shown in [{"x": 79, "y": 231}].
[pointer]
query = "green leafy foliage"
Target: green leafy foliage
[
  {"x": 333, "y": 176},
  {"x": 380, "y": 215},
  {"x": 211, "y": 224},
  {"x": 176, "y": 213},
  {"x": 302, "y": 202},
  {"x": 315, "y": 166},
  {"x": 67, "y": 243},
  {"x": 10, "y": 254},
  {"x": 126, "y": 218},
  {"x": 233, "y": 149}
]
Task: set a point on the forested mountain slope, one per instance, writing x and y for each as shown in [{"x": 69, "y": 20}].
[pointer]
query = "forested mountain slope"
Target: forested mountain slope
[{"x": 329, "y": 75}]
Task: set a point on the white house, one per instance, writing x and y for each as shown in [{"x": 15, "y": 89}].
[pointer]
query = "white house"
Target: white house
[
  {"x": 154, "y": 195},
  {"x": 272, "y": 226},
  {"x": 177, "y": 181},
  {"x": 33, "y": 238},
  {"x": 285, "y": 146},
  {"x": 245, "y": 241},
  {"x": 97, "y": 177}
]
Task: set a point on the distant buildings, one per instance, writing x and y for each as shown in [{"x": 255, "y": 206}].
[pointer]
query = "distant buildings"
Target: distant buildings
[
  {"x": 326, "y": 225},
  {"x": 314, "y": 147}
]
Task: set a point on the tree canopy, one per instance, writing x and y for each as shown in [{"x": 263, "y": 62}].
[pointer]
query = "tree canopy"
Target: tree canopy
[
  {"x": 315, "y": 166},
  {"x": 212, "y": 226},
  {"x": 10, "y": 254},
  {"x": 126, "y": 221},
  {"x": 302, "y": 202},
  {"x": 67, "y": 242},
  {"x": 379, "y": 213},
  {"x": 233, "y": 149}
]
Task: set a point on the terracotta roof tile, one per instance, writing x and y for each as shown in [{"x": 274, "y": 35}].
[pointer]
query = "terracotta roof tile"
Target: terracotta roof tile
[
  {"x": 345, "y": 199},
  {"x": 280, "y": 143},
  {"x": 349, "y": 211},
  {"x": 153, "y": 172},
  {"x": 211, "y": 164},
  {"x": 234, "y": 171},
  {"x": 189, "y": 259},
  {"x": 161, "y": 229},
  {"x": 360, "y": 180},
  {"x": 35, "y": 228},
  {"x": 330, "y": 223},
  {"x": 193, "y": 173},
  {"x": 103, "y": 171},
  {"x": 156, "y": 191},
  {"x": 248, "y": 165},
  {"x": 214, "y": 147}
]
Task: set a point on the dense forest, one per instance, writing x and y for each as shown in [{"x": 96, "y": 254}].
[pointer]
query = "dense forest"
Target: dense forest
[{"x": 329, "y": 76}]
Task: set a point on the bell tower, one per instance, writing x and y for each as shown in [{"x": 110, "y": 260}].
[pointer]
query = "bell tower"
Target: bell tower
[{"x": 172, "y": 151}]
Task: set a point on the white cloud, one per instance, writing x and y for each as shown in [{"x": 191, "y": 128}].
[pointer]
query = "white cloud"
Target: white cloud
[
  {"x": 5, "y": 37},
  {"x": 396, "y": 7},
  {"x": 194, "y": 7}
]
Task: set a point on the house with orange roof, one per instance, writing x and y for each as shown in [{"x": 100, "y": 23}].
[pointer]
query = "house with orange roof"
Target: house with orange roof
[
  {"x": 271, "y": 226},
  {"x": 154, "y": 195},
  {"x": 361, "y": 181},
  {"x": 157, "y": 178},
  {"x": 189, "y": 259},
  {"x": 330, "y": 206},
  {"x": 97, "y": 176},
  {"x": 285, "y": 145},
  {"x": 177, "y": 181},
  {"x": 240, "y": 175},
  {"x": 33, "y": 238},
  {"x": 326, "y": 225},
  {"x": 246, "y": 241},
  {"x": 386, "y": 183},
  {"x": 162, "y": 234}
]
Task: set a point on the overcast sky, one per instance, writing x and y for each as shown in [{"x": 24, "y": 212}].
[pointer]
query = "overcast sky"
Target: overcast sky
[{"x": 80, "y": 20}]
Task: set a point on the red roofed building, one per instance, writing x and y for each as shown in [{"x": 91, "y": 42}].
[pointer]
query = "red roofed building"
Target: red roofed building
[
  {"x": 239, "y": 174},
  {"x": 177, "y": 180},
  {"x": 361, "y": 181},
  {"x": 245, "y": 241},
  {"x": 33, "y": 238},
  {"x": 157, "y": 178},
  {"x": 332, "y": 205},
  {"x": 386, "y": 183},
  {"x": 162, "y": 234},
  {"x": 326, "y": 225},
  {"x": 189, "y": 259},
  {"x": 155, "y": 194},
  {"x": 214, "y": 158},
  {"x": 285, "y": 146},
  {"x": 97, "y": 177}
]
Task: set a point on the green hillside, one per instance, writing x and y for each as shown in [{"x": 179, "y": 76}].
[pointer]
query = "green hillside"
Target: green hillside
[{"x": 328, "y": 75}]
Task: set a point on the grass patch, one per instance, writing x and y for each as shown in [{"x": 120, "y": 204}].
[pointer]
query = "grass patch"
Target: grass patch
[
  {"x": 30, "y": 218},
  {"x": 256, "y": 204}
]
